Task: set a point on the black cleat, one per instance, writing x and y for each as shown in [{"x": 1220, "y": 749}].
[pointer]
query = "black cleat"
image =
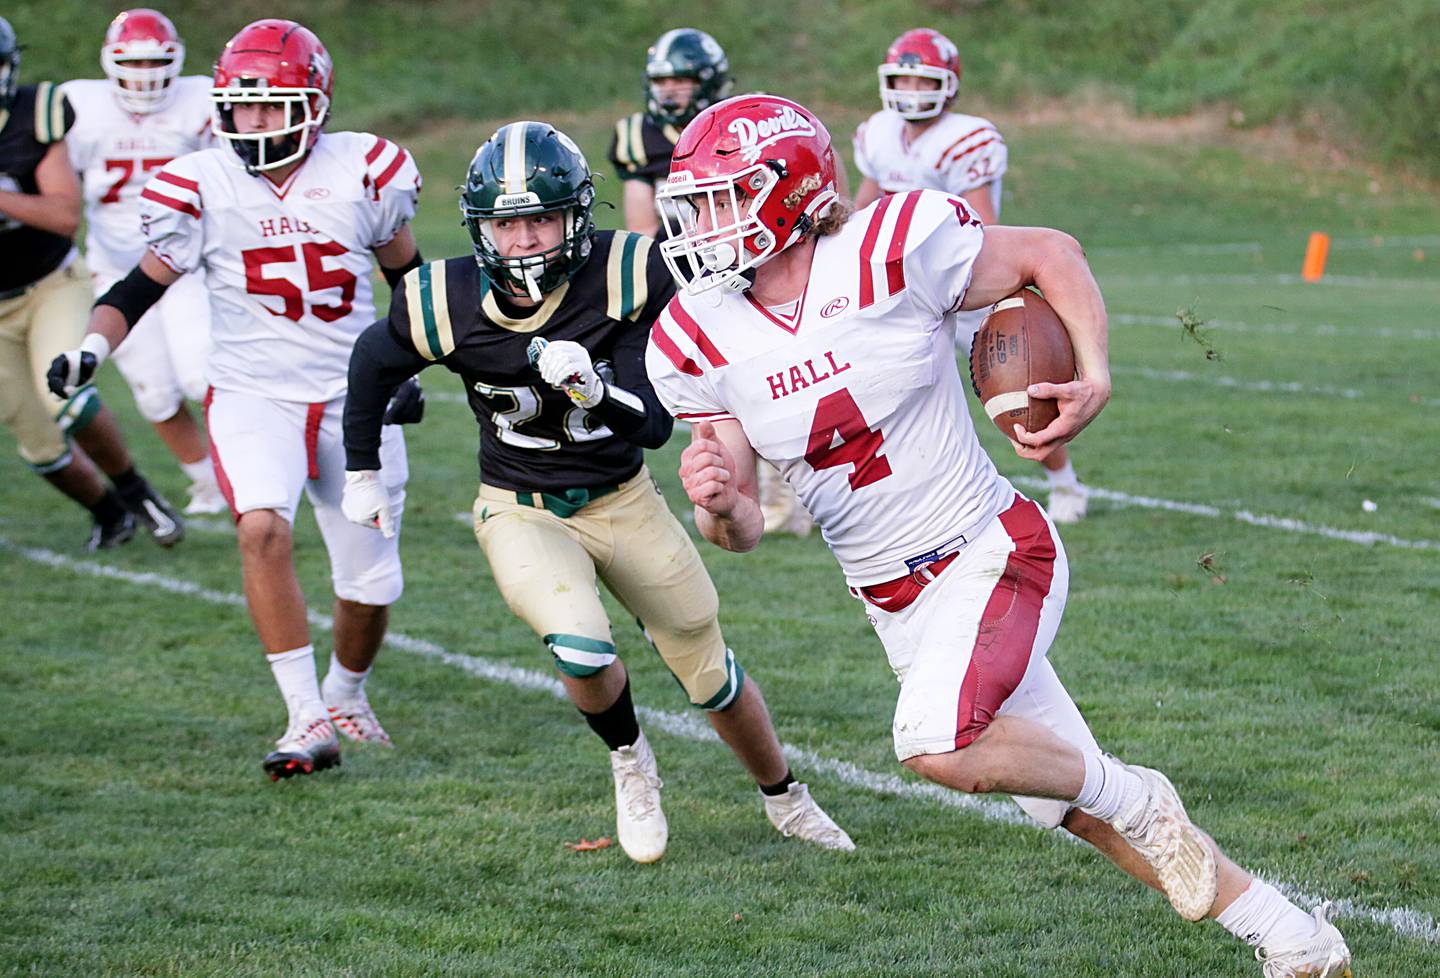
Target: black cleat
[
  {"x": 112, "y": 533},
  {"x": 166, "y": 526},
  {"x": 304, "y": 749}
]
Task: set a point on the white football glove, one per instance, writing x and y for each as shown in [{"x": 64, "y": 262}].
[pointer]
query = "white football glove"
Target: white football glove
[
  {"x": 366, "y": 501},
  {"x": 566, "y": 366}
]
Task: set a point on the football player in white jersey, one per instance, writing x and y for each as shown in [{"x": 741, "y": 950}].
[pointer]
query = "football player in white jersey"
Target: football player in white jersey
[
  {"x": 127, "y": 126},
  {"x": 916, "y": 141},
  {"x": 281, "y": 221},
  {"x": 827, "y": 344}
]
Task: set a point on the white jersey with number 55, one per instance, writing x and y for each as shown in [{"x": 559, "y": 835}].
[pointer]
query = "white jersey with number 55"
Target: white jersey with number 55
[
  {"x": 854, "y": 394},
  {"x": 287, "y": 267}
]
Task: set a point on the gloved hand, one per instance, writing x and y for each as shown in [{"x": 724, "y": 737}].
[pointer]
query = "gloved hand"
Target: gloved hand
[
  {"x": 74, "y": 369},
  {"x": 407, "y": 405},
  {"x": 365, "y": 501},
  {"x": 566, "y": 366}
]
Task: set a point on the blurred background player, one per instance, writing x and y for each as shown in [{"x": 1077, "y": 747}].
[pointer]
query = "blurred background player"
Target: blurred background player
[
  {"x": 547, "y": 325},
  {"x": 44, "y": 301},
  {"x": 686, "y": 71},
  {"x": 127, "y": 126},
  {"x": 281, "y": 221},
  {"x": 915, "y": 142}
]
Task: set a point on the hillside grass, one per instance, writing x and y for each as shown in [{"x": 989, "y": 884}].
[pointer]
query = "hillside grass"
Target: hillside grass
[{"x": 1363, "y": 73}]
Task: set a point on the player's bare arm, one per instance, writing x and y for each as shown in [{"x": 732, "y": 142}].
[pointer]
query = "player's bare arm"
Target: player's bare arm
[
  {"x": 1053, "y": 262},
  {"x": 399, "y": 254},
  {"x": 718, "y": 472},
  {"x": 868, "y": 193},
  {"x": 639, "y": 206},
  {"x": 56, "y": 208}
]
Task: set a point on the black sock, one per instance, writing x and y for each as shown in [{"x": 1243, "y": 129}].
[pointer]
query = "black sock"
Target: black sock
[
  {"x": 616, "y": 725},
  {"x": 107, "y": 509},
  {"x": 779, "y": 787},
  {"x": 131, "y": 485}
]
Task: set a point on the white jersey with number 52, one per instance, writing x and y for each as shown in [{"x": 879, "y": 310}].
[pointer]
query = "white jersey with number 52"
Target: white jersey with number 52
[
  {"x": 287, "y": 267},
  {"x": 956, "y": 153},
  {"x": 116, "y": 151},
  {"x": 855, "y": 395}
]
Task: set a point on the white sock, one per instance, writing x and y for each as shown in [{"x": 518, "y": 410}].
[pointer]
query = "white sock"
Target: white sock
[
  {"x": 202, "y": 473},
  {"x": 295, "y": 675},
  {"x": 342, "y": 684},
  {"x": 1109, "y": 789},
  {"x": 1262, "y": 917},
  {"x": 1063, "y": 477}
]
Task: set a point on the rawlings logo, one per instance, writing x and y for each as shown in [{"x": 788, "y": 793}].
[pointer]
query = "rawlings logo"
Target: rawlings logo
[
  {"x": 317, "y": 193},
  {"x": 835, "y": 307},
  {"x": 756, "y": 134}
]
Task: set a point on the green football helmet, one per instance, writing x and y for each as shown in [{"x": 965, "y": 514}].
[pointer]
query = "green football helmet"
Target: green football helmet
[
  {"x": 529, "y": 168},
  {"x": 685, "y": 53},
  {"x": 9, "y": 64}
]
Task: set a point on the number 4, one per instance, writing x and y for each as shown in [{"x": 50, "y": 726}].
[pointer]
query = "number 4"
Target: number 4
[{"x": 837, "y": 414}]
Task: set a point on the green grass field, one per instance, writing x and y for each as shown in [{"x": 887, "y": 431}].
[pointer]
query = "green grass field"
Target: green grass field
[{"x": 1289, "y": 687}]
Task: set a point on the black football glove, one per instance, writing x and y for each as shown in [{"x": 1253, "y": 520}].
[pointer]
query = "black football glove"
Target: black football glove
[
  {"x": 70, "y": 371},
  {"x": 407, "y": 406}
]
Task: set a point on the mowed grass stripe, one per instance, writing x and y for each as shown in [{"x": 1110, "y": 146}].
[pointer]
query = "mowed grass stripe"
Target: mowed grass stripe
[{"x": 1403, "y": 921}]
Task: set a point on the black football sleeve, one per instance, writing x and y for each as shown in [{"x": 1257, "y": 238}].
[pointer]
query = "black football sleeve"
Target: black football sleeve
[{"x": 379, "y": 363}]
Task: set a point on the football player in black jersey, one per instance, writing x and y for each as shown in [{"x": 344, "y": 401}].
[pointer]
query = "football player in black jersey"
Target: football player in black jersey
[
  {"x": 44, "y": 306},
  {"x": 547, "y": 325},
  {"x": 685, "y": 72}
]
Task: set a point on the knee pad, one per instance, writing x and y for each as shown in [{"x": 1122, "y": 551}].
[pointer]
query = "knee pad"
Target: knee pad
[
  {"x": 157, "y": 403},
  {"x": 379, "y": 584},
  {"x": 577, "y": 656},
  {"x": 77, "y": 413}
]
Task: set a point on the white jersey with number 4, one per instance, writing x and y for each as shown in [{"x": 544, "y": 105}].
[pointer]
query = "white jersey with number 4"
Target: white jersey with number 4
[
  {"x": 288, "y": 267},
  {"x": 855, "y": 397},
  {"x": 116, "y": 152},
  {"x": 956, "y": 154}
]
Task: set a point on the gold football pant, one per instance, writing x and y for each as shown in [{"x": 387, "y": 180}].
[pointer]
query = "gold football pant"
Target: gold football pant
[
  {"x": 35, "y": 328},
  {"x": 546, "y": 567}
]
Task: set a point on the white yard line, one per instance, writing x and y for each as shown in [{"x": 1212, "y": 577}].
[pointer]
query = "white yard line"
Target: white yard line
[
  {"x": 1367, "y": 538},
  {"x": 1363, "y": 331},
  {"x": 1404, "y": 921},
  {"x": 1376, "y": 243},
  {"x": 1268, "y": 386},
  {"x": 1228, "y": 278}
]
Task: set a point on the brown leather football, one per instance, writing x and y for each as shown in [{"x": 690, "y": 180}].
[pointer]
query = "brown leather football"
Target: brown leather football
[{"x": 1021, "y": 342}]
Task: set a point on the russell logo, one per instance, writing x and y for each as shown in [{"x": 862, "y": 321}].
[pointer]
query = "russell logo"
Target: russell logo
[
  {"x": 756, "y": 134},
  {"x": 317, "y": 193},
  {"x": 835, "y": 307}
]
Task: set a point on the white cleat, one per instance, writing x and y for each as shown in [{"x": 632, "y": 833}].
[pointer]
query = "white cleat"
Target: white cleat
[
  {"x": 1158, "y": 828},
  {"x": 355, "y": 719},
  {"x": 1068, "y": 503},
  {"x": 205, "y": 500},
  {"x": 797, "y": 815},
  {"x": 639, "y": 821},
  {"x": 309, "y": 745},
  {"x": 1324, "y": 955}
]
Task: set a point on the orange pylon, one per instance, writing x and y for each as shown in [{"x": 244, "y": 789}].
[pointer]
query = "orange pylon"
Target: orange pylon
[{"x": 1315, "y": 253}]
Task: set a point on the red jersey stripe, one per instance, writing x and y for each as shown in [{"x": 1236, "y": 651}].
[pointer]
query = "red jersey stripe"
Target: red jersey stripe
[
  {"x": 895, "y": 256},
  {"x": 171, "y": 202},
  {"x": 180, "y": 182},
  {"x": 960, "y": 156},
  {"x": 1010, "y": 622},
  {"x": 378, "y": 148},
  {"x": 867, "y": 251},
  {"x": 392, "y": 169},
  {"x": 941, "y": 162},
  {"x": 691, "y": 328},
  {"x": 313, "y": 416},
  {"x": 672, "y": 352}
]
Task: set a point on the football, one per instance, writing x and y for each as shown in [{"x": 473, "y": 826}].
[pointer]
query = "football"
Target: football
[{"x": 1021, "y": 342}]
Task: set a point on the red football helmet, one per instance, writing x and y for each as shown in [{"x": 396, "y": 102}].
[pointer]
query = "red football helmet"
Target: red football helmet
[
  {"x": 277, "y": 62},
  {"x": 921, "y": 53},
  {"x": 750, "y": 176},
  {"x": 142, "y": 34}
]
